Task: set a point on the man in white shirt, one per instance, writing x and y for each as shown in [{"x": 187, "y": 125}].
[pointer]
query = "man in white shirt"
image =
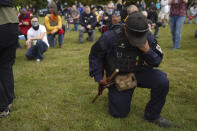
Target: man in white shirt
[
  {"x": 37, "y": 42},
  {"x": 193, "y": 13}
]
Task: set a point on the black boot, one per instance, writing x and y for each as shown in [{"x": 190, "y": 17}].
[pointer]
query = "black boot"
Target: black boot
[{"x": 162, "y": 122}]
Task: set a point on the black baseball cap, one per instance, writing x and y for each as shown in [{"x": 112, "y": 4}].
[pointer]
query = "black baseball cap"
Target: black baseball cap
[{"x": 137, "y": 29}]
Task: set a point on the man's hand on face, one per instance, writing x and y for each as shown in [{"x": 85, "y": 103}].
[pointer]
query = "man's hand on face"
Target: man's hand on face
[{"x": 145, "y": 48}]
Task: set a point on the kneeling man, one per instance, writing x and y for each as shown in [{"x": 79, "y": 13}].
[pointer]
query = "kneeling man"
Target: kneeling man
[{"x": 37, "y": 42}]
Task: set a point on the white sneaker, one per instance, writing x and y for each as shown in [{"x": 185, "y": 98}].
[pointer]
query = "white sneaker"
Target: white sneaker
[
  {"x": 37, "y": 60},
  {"x": 9, "y": 106},
  {"x": 4, "y": 113}
]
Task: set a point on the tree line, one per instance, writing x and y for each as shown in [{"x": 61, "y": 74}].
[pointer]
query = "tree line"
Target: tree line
[{"x": 38, "y": 4}]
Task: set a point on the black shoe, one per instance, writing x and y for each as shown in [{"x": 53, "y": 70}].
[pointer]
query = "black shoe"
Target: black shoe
[{"x": 162, "y": 122}]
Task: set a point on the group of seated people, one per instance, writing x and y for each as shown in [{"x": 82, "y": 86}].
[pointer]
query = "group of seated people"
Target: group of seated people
[{"x": 40, "y": 37}]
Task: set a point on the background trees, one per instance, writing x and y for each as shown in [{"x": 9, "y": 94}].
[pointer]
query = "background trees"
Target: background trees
[{"x": 38, "y": 4}]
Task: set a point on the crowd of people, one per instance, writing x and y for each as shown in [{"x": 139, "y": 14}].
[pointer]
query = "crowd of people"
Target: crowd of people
[
  {"x": 127, "y": 32},
  {"x": 89, "y": 17}
]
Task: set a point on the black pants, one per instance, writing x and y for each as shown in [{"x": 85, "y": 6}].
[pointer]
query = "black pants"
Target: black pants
[
  {"x": 8, "y": 43},
  {"x": 156, "y": 80},
  {"x": 158, "y": 25},
  {"x": 36, "y": 51}
]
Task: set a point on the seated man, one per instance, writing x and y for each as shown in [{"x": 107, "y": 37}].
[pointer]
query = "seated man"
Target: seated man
[
  {"x": 53, "y": 23},
  {"x": 36, "y": 35},
  {"x": 75, "y": 17},
  {"x": 153, "y": 16},
  {"x": 88, "y": 23},
  {"x": 193, "y": 13},
  {"x": 24, "y": 21}
]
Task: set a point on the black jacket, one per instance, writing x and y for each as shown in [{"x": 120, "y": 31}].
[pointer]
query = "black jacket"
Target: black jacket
[
  {"x": 106, "y": 43},
  {"x": 88, "y": 19}
]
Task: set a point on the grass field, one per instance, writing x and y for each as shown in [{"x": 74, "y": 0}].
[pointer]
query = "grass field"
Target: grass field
[{"x": 56, "y": 94}]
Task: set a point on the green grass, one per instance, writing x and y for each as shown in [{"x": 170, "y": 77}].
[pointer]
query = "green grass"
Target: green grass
[{"x": 56, "y": 94}]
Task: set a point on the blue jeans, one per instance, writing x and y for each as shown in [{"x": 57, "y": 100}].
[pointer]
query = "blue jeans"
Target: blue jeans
[
  {"x": 36, "y": 51},
  {"x": 51, "y": 39},
  {"x": 68, "y": 24},
  {"x": 176, "y": 24},
  {"x": 75, "y": 26},
  {"x": 195, "y": 19}
]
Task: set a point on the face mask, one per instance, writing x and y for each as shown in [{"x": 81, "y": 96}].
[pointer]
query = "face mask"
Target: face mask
[{"x": 35, "y": 25}]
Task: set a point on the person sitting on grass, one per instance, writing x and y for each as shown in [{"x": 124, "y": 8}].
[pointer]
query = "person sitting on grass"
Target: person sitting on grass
[
  {"x": 75, "y": 17},
  {"x": 24, "y": 24},
  {"x": 24, "y": 21},
  {"x": 153, "y": 16},
  {"x": 193, "y": 13},
  {"x": 53, "y": 23},
  {"x": 88, "y": 23},
  {"x": 37, "y": 42}
]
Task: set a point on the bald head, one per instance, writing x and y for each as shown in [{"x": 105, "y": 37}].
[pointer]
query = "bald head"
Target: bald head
[
  {"x": 131, "y": 9},
  {"x": 145, "y": 13}
]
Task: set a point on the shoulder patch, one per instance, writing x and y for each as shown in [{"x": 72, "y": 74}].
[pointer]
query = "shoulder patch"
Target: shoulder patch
[{"x": 159, "y": 48}]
